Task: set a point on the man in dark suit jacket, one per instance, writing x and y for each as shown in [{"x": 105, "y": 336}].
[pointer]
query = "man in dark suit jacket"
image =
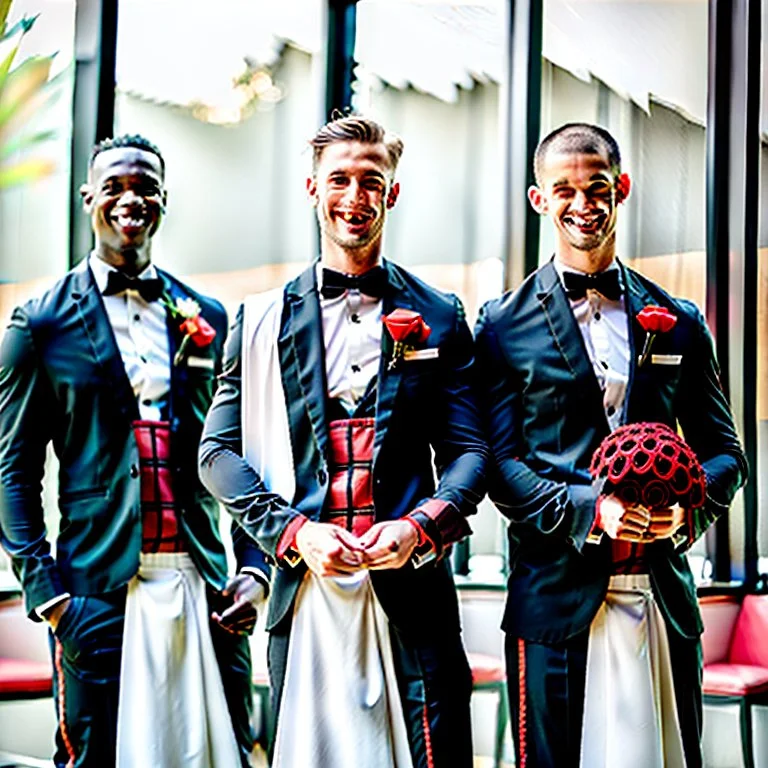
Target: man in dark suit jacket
[
  {"x": 559, "y": 360},
  {"x": 352, "y": 490},
  {"x": 114, "y": 366}
]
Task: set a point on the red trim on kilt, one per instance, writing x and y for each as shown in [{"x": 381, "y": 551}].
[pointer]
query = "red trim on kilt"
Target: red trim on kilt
[
  {"x": 521, "y": 722},
  {"x": 427, "y": 737},
  {"x": 62, "y": 706}
]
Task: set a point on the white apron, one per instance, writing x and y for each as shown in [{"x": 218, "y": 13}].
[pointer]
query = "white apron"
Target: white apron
[
  {"x": 172, "y": 711},
  {"x": 630, "y": 713},
  {"x": 340, "y": 691}
]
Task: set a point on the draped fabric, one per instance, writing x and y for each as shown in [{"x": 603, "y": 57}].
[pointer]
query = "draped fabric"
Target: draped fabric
[
  {"x": 265, "y": 430},
  {"x": 340, "y": 696},
  {"x": 630, "y": 712},
  {"x": 174, "y": 713}
]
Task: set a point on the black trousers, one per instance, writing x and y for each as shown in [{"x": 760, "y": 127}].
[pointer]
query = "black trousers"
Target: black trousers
[
  {"x": 546, "y": 684},
  {"x": 435, "y": 685},
  {"x": 86, "y": 649}
]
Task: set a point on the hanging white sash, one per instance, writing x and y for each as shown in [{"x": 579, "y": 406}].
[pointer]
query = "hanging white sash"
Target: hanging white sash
[
  {"x": 172, "y": 711},
  {"x": 340, "y": 695},
  {"x": 264, "y": 412},
  {"x": 630, "y": 713}
]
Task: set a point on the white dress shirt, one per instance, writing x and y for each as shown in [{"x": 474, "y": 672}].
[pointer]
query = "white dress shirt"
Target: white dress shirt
[
  {"x": 603, "y": 325},
  {"x": 141, "y": 334},
  {"x": 352, "y": 338}
]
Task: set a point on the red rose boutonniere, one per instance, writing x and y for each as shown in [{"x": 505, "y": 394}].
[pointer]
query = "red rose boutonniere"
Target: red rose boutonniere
[
  {"x": 654, "y": 320},
  {"x": 196, "y": 329},
  {"x": 406, "y": 328}
]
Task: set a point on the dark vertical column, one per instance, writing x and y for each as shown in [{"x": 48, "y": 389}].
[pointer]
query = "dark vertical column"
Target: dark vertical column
[
  {"x": 732, "y": 222},
  {"x": 751, "y": 34},
  {"x": 521, "y": 125},
  {"x": 342, "y": 17},
  {"x": 94, "y": 104}
]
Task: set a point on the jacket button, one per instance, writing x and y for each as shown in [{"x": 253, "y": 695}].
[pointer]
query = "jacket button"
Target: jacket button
[
  {"x": 322, "y": 476},
  {"x": 134, "y": 472}
]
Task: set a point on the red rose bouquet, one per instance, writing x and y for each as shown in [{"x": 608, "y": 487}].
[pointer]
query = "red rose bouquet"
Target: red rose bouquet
[{"x": 650, "y": 464}]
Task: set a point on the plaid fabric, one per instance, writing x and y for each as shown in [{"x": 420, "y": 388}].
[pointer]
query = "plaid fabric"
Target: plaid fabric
[
  {"x": 350, "y": 500},
  {"x": 628, "y": 557},
  {"x": 160, "y": 515}
]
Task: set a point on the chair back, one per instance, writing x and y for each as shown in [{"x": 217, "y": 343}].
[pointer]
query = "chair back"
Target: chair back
[
  {"x": 749, "y": 644},
  {"x": 720, "y": 614}
]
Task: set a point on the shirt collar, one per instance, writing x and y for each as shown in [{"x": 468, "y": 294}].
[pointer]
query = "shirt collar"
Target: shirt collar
[{"x": 101, "y": 271}]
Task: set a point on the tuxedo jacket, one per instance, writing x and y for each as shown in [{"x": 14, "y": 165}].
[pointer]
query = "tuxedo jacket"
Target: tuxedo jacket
[
  {"x": 425, "y": 411},
  {"x": 63, "y": 382},
  {"x": 545, "y": 418}
]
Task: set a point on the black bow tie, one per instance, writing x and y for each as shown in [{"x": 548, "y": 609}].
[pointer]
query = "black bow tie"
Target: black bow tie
[
  {"x": 373, "y": 283},
  {"x": 150, "y": 289},
  {"x": 607, "y": 283}
]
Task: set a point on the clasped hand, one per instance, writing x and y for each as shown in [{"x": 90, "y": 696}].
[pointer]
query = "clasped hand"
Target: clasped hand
[
  {"x": 330, "y": 550},
  {"x": 636, "y": 522}
]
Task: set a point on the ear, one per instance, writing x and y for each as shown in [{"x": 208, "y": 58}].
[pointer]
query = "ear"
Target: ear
[
  {"x": 623, "y": 185},
  {"x": 311, "y": 185},
  {"x": 537, "y": 200},
  {"x": 393, "y": 194},
  {"x": 86, "y": 193}
]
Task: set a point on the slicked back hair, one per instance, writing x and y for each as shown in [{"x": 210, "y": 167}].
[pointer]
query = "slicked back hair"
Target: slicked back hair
[
  {"x": 134, "y": 140},
  {"x": 577, "y": 138},
  {"x": 355, "y": 128}
]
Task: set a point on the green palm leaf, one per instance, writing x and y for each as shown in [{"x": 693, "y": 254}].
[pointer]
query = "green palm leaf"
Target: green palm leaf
[{"x": 24, "y": 93}]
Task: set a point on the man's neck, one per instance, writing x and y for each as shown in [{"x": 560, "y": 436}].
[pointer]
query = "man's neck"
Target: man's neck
[
  {"x": 350, "y": 261},
  {"x": 590, "y": 262},
  {"x": 132, "y": 262}
]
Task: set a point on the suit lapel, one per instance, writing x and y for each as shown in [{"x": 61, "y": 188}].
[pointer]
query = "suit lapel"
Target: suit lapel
[
  {"x": 175, "y": 336},
  {"x": 389, "y": 379},
  {"x": 567, "y": 335},
  {"x": 562, "y": 324},
  {"x": 101, "y": 338},
  {"x": 304, "y": 333},
  {"x": 637, "y": 299}
]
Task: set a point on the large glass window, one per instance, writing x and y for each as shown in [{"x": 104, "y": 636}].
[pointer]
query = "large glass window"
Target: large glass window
[
  {"x": 230, "y": 96},
  {"x": 34, "y": 158}
]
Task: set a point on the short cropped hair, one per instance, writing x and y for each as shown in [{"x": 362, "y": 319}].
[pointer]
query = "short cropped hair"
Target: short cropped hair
[
  {"x": 134, "y": 140},
  {"x": 581, "y": 138},
  {"x": 355, "y": 128}
]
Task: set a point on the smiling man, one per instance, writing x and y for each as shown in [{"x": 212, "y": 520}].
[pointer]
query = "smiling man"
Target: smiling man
[
  {"x": 114, "y": 367},
  {"x": 338, "y": 391},
  {"x": 602, "y": 623}
]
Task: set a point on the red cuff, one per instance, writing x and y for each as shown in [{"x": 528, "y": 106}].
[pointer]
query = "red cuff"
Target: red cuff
[
  {"x": 596, "y": 531},
  {"x": 442, "y": 522},
  {"x": 420, "y": 532},
  {"x": 287, "y": 539}
]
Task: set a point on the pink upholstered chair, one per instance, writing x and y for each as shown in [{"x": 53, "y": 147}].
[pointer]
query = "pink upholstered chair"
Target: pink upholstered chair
[{"x": 735, "y": 649}]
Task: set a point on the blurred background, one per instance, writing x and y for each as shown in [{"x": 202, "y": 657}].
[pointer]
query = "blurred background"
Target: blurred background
[{"x": 231, "y": 91}]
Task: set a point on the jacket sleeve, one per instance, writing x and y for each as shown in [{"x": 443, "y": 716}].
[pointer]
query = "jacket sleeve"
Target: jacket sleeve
[
  {"x": 525, "y": 497},
  {"x": 458, "y": 442},
  {"x": 705, "y": 417},
  {"x": 261, "y": 514},
  {"x": 26, "y": 423}
]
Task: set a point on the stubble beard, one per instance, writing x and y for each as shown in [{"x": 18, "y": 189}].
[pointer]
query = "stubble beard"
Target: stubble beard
[{"x": 355, "y": 248}]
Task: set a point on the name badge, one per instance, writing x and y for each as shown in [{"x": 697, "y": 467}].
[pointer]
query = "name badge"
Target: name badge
[
  {"x": 200, "y": 362},
  {"x": 421, "y": 354},
  {"x": 666, "y": 359}
]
